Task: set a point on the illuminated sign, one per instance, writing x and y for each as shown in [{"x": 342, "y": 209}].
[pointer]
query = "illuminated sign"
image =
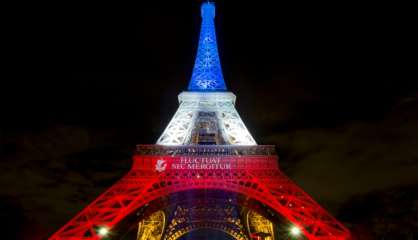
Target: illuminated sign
[{"x": 201, "y": 163}]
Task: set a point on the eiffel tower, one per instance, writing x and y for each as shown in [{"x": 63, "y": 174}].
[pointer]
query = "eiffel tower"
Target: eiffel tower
[{"x": 206, "y": 172}]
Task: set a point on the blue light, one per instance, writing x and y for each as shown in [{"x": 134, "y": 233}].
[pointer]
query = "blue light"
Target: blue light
[{"x": 207, "y": 72}]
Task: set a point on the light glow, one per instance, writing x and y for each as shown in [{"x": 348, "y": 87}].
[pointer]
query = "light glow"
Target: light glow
[
  {"x": 103, "y": 231},
  {"x": 295, "y": 231}
]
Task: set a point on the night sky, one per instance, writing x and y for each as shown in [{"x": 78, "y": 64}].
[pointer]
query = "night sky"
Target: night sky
[{"x": 329, "y": 85}]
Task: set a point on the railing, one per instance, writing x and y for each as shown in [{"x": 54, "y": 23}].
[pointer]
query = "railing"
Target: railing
[{"x": 226, "y": 150}]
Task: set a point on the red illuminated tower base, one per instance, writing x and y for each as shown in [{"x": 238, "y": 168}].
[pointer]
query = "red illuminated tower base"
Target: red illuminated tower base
[{"x": 159, "y": 171}]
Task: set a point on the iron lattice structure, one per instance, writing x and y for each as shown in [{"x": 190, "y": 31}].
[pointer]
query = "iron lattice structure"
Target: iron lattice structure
[
  {"x": 193, "y": 211},
  {"x": 206, "y": 146},
  {"x": 207, "y": 72},
  {"x": 232, "y": 129},
  {"x": 219, "y": 217},
  {"x": 249, "y": 170}
]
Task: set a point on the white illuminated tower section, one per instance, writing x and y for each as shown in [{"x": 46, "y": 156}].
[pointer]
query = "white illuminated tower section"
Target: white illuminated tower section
[{"x": 207, "y": 113}]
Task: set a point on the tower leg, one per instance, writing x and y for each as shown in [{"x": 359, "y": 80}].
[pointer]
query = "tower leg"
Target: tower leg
[
  {"x": 108, "y": 209},
  {"x": 269, "y": 187}
]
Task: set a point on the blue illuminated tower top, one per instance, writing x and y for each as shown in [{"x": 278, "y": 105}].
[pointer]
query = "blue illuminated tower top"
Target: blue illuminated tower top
[{"x": 207, "y": 72}]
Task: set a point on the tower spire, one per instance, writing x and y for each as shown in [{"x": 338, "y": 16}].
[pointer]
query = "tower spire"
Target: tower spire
[{"x": 207, "y": 72}]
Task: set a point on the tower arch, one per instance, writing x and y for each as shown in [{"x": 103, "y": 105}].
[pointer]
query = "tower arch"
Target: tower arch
[
  {"x": 192, "y": 228},
  {"x": 195, "y": 209}
]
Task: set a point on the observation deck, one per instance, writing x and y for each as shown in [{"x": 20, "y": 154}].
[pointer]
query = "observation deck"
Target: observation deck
[{"x": 207, "y": 150}]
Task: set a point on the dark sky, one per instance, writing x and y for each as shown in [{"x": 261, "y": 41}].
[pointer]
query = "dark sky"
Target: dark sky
[{"x": 328, "y": 84}]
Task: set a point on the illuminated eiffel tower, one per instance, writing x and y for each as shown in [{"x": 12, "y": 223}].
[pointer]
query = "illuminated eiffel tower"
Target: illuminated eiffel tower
[{"x": 205, "y": 172}]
